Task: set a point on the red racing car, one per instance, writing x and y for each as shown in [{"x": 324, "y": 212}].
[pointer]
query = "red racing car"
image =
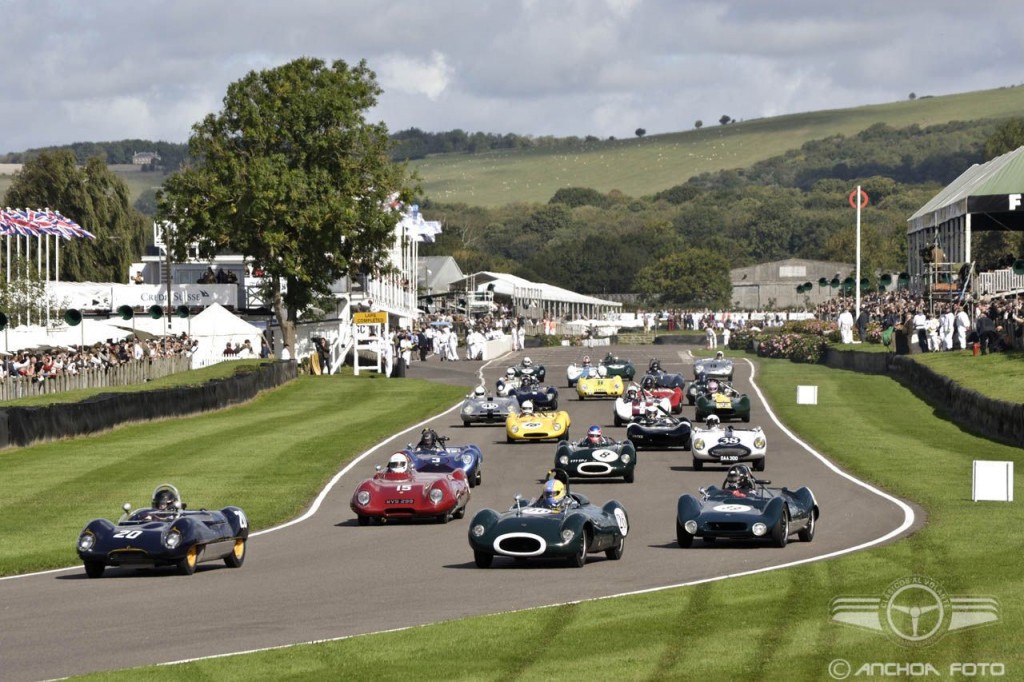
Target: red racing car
[{"x": 400, "y": 492}]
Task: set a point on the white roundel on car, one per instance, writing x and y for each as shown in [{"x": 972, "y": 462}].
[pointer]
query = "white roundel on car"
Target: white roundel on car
[
  {"x": 488, "y": 406},
  {"x": 536, "y": 511},
  {"x": 620, "y": 518},
  {"x": 531, "y": 425},
  {"x": 732, "y": 508},
  {"x": 604, "y": 455}
]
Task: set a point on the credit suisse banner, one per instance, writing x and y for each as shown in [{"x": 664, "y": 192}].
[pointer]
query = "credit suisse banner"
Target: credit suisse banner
[{"x": 91, "y": 296}]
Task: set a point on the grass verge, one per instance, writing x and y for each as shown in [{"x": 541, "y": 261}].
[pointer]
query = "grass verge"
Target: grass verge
[
  {"x": 770, "y": 626},
  {"x": 269, "y": 456}
]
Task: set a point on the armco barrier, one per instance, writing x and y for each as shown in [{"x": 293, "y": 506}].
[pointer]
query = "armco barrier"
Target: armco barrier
[
  {"x": 995, "y": 419},
  {"x": 21, "y": 426}
]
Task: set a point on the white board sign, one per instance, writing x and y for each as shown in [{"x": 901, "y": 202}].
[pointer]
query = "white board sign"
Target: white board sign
[
  {"x": 806, "y": 395},
  {"x": 992, "y": 481}
]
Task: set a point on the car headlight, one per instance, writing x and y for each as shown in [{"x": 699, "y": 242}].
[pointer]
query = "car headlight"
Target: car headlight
[
  {"x": 468, "y": 409},
  {"x": 86, "y": 541},
  {"x": 436, "y": 495},
  {"x": 467, "y": 459},
  {"x": 626, "y": 458},
  {"x": 567, "y": 535},
  {"x": 557, "y": 427},
  {"x": 759, "y": 529},
  {"x": 699, "y": 369},
  {"x": 564, "y": 459},
  {"x": 477, "y": 530},
  {"x": 172, "y": 539},
  {"x": 698, "y": 444},
  {"x": 515, "y": 429},
  {"x": 363, "y": 497},
  {"x": 691, "y": 527},
  {"x": 759, "y": 442}
]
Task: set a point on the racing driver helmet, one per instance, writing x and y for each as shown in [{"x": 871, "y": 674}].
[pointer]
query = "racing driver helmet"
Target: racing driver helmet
[
  {"x": 398, "y": 464},
  {"x": 479, "y": 392},
  {"x": 594, "y": 435},
  {"x": 719, "y": 355},
  {"x": 527, "y": 362},
  {"x": 586, "y": 360},
  {"x": 527, "y": 407},
  {"x": 554, "y": 492},
  {"x": 510, "y": 373},
  {"x": 165, "y": 498},
  {"x": 712, "y": 421}
]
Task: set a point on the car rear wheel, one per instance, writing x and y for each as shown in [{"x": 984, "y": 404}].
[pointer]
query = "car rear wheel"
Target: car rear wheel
[
  {"x": 94, "y": 569},
  {"x": 780, "y": 534},
  {"x": 618, "y": 422},
  {"x": 508, "y": 439},
  {"x": 578, "y": 559},
  {"x": 746, "y": 418},
  {"x": 806, "y": 533},
  {"x": 615, "y": 553},
  {"x": 187, "y": 565},
  {"x": 482, "y": 559},
  {"x": 759, "y": 465},
  {"x": 630, "y": 477},
  {"x": 363, "y": 520},
  {"x": 237, "y": 556},
  {"x": 443, "y": 518},
  {"x": 684, "y": 538}
]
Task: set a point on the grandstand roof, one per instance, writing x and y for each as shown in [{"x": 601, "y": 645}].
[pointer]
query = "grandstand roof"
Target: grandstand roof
[
  {"x": 990, "y": 192},
  {"x": 517, "y": 287}
]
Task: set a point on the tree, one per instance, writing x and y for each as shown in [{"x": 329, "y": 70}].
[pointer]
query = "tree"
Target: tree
[
  {"x": 1006, "y": 138},
  {"x": 291, "y": 175},
  {"x": 696, "y": 278},
  {"x": 640, "y": 132},
  {"x": 698, "y": 124},
  {"x": 912, "y": 97},
  {"x": 95, "y": 198},
  {"x": 725, "y": 120}
]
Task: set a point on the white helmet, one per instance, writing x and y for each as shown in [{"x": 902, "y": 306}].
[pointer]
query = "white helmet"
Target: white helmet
[
  {"x": 510, "y": 372},
  {"x": 602, "y": 371},
  {"x": 712, "y": 421},
  {"x": 652, "y": 411},
  {"x": 527, "y": 407},
  {"x": 527, "y": 362},
  {"x": 479, "y": 392},
  {"x": 719, "y": 355},
  {"x": 399, "y": 463}
]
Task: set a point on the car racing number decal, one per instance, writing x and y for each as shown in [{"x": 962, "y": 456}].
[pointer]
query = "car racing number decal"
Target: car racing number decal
[
  {"x": 488, "y": 406},
  {"x": 620, "y": 518},
  {"x": 721, "y": 399},
  {"x": 536, "y": 511},
  {"x": 127, "y": 534},
  {"x": 531, "y": 425},
  {"x": 729, "y": 440},
  {"x": 732, "y": 508},
  {"x": 403, "y": 488},
  {"x": 604, "y": 455},
  {"x": 242, "y": 521}
]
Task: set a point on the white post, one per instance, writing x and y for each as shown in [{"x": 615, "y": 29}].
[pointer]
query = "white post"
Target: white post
[{"x": 856, "y": 282}]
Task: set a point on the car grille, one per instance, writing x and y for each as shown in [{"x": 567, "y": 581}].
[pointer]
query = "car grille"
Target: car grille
[
  {"x": 729, "y": 452},
  {"x": 519, "y": 544},
  {"x": 727, "y": 526}
]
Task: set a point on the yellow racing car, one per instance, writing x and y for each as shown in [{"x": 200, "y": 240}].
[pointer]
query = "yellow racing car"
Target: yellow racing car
[
  {"x": 529, "y": 425},
  {"x": 601, "y": 386}
]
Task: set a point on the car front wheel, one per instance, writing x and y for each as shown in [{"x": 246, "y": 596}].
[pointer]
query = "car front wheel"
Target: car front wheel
[
  {"x": 578, "y": 559},
  {"x": 684, "y": 538},
  {"x": 94, "y": 569},
  {"x": 806, "y": 533},
  {"x": 482, "y": 559},
  {"x": 615, "y": 553},
  {"x": 780, "y": 534},
  {"x": 237, "y": 556},
  {"x": 187, "y": 565}
]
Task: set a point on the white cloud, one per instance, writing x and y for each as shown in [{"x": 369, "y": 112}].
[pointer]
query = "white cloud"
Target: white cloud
[{"x": 405, "y": 74}]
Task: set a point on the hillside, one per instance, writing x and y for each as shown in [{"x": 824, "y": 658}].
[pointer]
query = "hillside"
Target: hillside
[{"x": 640, "y": 167}]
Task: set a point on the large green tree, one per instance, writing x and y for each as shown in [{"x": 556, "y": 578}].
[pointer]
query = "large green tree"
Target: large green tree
[
  {"x": 291, "y": 174},
  {"x": 95, "y": 198},
  {"x": 696, "y": 278}
]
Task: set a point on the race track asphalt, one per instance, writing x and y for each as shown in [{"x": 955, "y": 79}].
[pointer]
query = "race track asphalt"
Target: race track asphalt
[{"x": 327, "y": 577}]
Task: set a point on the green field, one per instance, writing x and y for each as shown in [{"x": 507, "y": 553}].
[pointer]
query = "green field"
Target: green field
[
  {"x": 642, "y": 166},
  {"x": 772, "y": 626}
]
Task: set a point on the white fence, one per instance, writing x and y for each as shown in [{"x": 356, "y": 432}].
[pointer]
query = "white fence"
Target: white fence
[{"x": 129, "y": 373}]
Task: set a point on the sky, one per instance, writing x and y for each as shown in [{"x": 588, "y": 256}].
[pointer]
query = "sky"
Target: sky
[{"x": 103, "y": 70}]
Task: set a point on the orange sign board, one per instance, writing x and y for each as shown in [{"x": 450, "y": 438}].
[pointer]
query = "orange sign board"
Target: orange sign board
[{"x": 370, "y": 318}]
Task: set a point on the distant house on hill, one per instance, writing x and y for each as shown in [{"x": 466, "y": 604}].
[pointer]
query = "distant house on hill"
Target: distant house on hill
[{"x": 144, "y": 158}]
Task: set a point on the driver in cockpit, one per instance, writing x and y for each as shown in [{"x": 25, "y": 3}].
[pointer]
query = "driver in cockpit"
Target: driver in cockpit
[{"x": 739, "y": 480}]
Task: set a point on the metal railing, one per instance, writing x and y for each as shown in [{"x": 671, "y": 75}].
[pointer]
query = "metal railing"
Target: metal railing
[{"x": 127, "y": 374}]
